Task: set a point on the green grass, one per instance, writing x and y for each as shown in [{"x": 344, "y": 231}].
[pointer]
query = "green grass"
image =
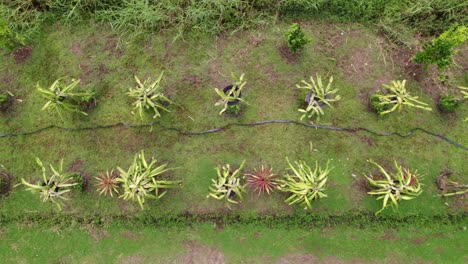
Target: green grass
[{"x": 206, "y": 243}]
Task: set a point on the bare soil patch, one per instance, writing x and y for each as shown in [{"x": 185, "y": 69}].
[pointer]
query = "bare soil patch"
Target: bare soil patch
[
  {"x": 22, "y": 54},
  {"x": 287, "y": 55},
  {"x": 418, "y": 240},
  {"x": 309, "y": 258},
  {"x": 196, "y": 253},
  {"x": 390, "y": 235}
]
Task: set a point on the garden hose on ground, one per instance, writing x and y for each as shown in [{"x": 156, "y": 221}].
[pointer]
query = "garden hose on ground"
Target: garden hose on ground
[{"x": 190, "y": 133}]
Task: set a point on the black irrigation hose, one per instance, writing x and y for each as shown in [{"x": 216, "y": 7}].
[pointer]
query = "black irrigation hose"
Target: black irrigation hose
[{"x": 191, "y": 133}]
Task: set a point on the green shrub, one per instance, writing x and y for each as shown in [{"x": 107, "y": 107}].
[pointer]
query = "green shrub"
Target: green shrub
[
  {"x": 296, "y": 38},
  {"x": 377, "y": 105},
  {"x": 230, "y": 99},
  {"x": 9, "y": 39},
  {"x": 441, "y": 49},
  {"x": 449, "y": 103}
]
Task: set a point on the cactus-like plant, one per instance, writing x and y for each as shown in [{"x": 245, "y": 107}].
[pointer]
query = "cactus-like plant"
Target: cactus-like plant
[{"x": 262, "y": 180}]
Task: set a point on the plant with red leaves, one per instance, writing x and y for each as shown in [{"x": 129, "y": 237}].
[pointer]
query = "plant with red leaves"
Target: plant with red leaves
[
  {"x": 263, "y": 180},
  {"x": 107, "y": 183}
]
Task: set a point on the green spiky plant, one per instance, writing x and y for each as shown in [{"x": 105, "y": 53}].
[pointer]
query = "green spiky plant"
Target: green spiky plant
[
  {"x": 319, "y": 97},
  {"x": 304, "y": 184},
  {"x": 400, "y": 185},
  {"x": 149, "y": 96},
  {"x": 395, "y": 96},
  {"x": 296, "y": 38},
  {"x": 231, "y": 98},
  {"x": 142, "y": 180},
  {"x": 62, "y": 97},
  {"x": 52, "y": 188},
  {"x": 227, "y": 186},
  {"x": 107, "y": 183}
]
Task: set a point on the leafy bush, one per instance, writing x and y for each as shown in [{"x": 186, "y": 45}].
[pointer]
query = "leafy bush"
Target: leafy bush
[
  {"x": 149, "y": 96},
  {"x": 296, "y": 38},
  {"x": 227, "y": 186},
  {"x": 305, "y": 184},
  {"x": 141, "y": 181},
  {"x": 62, "y": 97},
  {"x": 449, "y": 103},
  {"x": 107, "y": 183},
  {"x": 400, "y": 185},
  {"x": 8, "y": 39},
  {"x": 320, "y": 96},
  {"x": 377, "y": 105},
  {"x": 53, "y": 187},
  {"x": 230, "y": 99},
  {"x": 394, "y": 98},
  {"x": 263, "y": 180},
  {"x": 441, "y": 49}
]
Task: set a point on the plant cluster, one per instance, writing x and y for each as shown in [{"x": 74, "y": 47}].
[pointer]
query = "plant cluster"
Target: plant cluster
[
  {"x": 305, "y": 184},
  {"x": 449, "y": 103},
  {"x": 107, "y": 183},
  {"x": 296, "y": 38},
  {"x": 394, "y": 97},
  {"x": 227, "y": 186},
  {"x": 442, "y": 48},
  {"x": 450, "y": 187},
  {"x": 62, "y": 98},
  {"x": 262, "y": 180},
  {"x": 230, "y": 97},
  {"x": 54, "y": 186},
  {"x": 5, "y": 101},
  {"x": 317, "y": 97},
  {"x": 394, "y": 187},
  {"x": 8, "y": 39},
  {"x": 142, "y": 180},
  {"x": 149, "y": 96}
]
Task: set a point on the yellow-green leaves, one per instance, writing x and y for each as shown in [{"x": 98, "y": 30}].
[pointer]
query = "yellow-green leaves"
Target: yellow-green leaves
[
  {"x": 305, "y": 184},
  {"x": 399, "y": 185},
  {"x": 149, "y": 96},
  {"x": 228, "y": 184}
]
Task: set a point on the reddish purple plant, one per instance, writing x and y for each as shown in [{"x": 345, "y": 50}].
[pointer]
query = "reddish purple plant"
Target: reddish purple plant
[{"x": 263, "y": 180}]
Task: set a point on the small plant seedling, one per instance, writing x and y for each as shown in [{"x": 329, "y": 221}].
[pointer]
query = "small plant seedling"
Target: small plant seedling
[{"x": 296, "y": 38}]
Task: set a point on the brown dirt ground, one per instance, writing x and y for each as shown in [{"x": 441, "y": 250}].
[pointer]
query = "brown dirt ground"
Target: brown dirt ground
[
  {"x": 287, "y": 55},
  {"x": 309, "y": 258},
  {"x": 196, "y": 253},
  {"x": 22, "y": 54}
]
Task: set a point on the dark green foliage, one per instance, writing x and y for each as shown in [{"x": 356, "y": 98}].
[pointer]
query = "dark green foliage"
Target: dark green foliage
[
  {"x": 449, "y": 103},
  {"x": 376, "y": 104},
  {"x": 296, "y": 38},
  {"x": 441, "y": 49},
  {"x": 8, "y": 39}
]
